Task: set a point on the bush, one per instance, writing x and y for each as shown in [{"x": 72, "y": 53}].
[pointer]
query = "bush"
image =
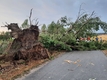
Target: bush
[
  {"x": 5, "y": 36},
  {"x": 54, "y": 44},
  {"x": 92, "y": 45},
  {"x": 104, "y": 46},
  {"x": 3, "y": 46},
  {"x": 47, "y": 41}
]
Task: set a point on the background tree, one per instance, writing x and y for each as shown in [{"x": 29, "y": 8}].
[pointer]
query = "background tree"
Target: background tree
[
  {"x": 5, "y": 36},
  {"x": 51, "y": 28},
  {"x": 43, "y": 29},
  {"x": 25, "y": 24}
]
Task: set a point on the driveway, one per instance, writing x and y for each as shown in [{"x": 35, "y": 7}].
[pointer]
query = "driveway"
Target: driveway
[{"x": 77, "y": 65}]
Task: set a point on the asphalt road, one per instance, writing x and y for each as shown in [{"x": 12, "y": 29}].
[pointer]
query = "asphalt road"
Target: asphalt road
[{"x": 77, "y": 65}]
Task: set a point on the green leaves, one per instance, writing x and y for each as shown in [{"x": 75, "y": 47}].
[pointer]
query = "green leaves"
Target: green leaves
[
  {"x": 5, "y": 36},
  {"x": 62, "y": 34},
  {"x": 88, "y": 24},
  {"x": 25, "y": 24},
  {"x": 54, "y": 44},
  {"x": 43, "y": 29}
]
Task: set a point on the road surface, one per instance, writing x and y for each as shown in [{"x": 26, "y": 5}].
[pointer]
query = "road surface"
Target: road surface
[{"x": 77, "y": 65}]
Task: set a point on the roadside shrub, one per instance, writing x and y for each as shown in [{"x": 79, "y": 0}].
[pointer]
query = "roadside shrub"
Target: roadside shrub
[
  {"x": 5, "y": 36},
  {"x": 62, "y": 46},
  {"x": 87, "y": 45},
  {"x": 54, "y": 44},
  {"x": 104, "y": 46},
  {"x": 3, "y": 46},
  {"x": 47, "y": 41}
]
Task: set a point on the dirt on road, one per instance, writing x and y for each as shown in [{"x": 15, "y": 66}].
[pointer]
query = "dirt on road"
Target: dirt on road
[{"x": 105, "y": 52}]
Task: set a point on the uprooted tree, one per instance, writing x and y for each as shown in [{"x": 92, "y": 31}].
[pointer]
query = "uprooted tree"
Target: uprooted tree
[{"x": 25, "y": 44}]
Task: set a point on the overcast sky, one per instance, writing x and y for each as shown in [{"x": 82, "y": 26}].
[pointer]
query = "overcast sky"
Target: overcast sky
[{"x": 48, "y": 10}]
